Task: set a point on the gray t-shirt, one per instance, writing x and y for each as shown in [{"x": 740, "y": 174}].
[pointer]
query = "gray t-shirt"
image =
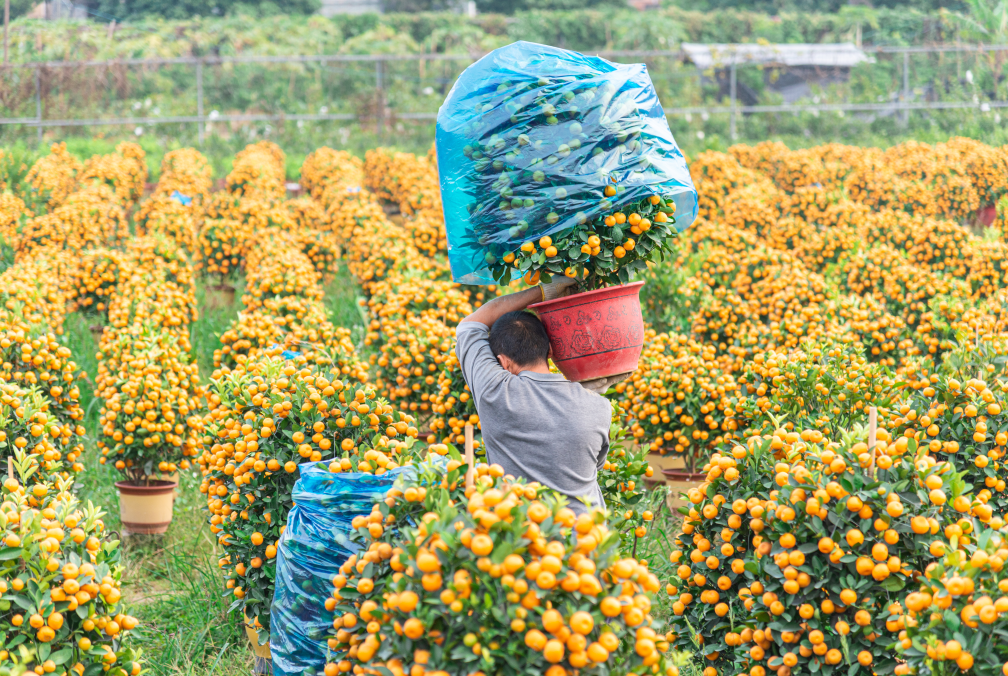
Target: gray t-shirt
[{"x": 539, "y": 426}]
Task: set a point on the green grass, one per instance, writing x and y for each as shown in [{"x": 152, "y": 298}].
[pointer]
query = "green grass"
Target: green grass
[{"x": 343, "y": 300}]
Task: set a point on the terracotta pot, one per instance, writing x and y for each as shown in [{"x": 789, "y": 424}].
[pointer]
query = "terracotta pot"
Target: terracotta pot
[
  {"x": 219, "y": 296},
  {"x": 145, "y": 510},
  {"x": 679, "y": 482},
  {"x": 595, "y": 334},
  {"x": 660, "y": 463},
  {"x": 987, "y": 214}
]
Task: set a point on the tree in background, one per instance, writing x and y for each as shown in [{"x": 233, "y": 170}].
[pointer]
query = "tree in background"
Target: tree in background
[
  {"x": 990, "y": 17},
  {"x": 512, "y": 6},
  {"x": 187, "y": 9},
  {"x": 819, "y": 6},
  {"x": 19, "y": 8}
]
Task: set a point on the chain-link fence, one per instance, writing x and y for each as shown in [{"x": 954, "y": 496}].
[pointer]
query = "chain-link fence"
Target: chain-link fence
[{"x": 729, "y": 93}]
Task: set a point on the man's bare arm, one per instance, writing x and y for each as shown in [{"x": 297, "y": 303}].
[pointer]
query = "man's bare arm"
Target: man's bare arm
[{"x": 490, "y": 312}]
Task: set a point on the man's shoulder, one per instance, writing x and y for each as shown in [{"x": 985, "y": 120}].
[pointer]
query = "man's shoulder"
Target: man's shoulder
[{"x": 586, "y": 398}]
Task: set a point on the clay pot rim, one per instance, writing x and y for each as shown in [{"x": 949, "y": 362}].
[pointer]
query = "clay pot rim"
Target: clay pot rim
[
  {"x": 583, "y": 297},
  {"x": 680, "y": 475},
  {"x": 156, "y": 487}
]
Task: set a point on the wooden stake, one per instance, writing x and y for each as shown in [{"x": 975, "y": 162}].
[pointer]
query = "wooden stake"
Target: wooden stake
[
  {"x": 10, "y": 467},
  {"x": 872, "y": 437},
  {"x": 470, "y": 456}
]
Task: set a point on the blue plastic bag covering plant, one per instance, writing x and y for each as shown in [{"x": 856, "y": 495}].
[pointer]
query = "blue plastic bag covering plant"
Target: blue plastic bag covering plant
[
  {"x": 528, "y": 139},
  {"x": 314, "y": 545}
]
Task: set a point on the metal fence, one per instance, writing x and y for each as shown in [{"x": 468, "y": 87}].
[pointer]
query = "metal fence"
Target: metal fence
[{"x": 381, "y": 90}]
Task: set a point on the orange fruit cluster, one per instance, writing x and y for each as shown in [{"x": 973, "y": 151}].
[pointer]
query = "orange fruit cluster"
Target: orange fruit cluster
[
  {"x": 412, "y": 183},
  {"x": 826, "y": 386},
  {"x": 284, "y": 306},
  {"x": 34, "y": 289},
  {"x": 452, "y": 406},
  {"x": 221, "y": 247},
  {"x": 62, "y": 569},
  {"x": 52, "y": 178},
  {"x": 760, "y": 550},
  {"x": 95, "y": 280},
  {"x": 678, "y": 378},
  {"x": 960, "y": 421},
  {"x": 124, "y": 171},
  {"x": 187, "y": 171},
  {"x": 325, "y": 169},
  {"x": 163, "y": 215},
  {"x": 34, "y": 365},
  {"x": 259, "y": 171},
  {"x": 967, "y": 582},
  {"x": 89, "y": 218},
  {"x": 11, "y": 209},
  {"x": 877, "y": 544},
  {"x": 504, "y": 579}
]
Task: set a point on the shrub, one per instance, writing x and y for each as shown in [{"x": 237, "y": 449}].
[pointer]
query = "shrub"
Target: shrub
[
  {"x": 32, "y": 359},
  {"x": 953, "y": 622},
  {"x": 963, "y": 423},
  {"x": 259, "y": 171},
  {"x": 506, "y": 581},
  {"x": 827, "y": 386},
  {"x": 268, "y": 415},
  {"x": 621, "y": 480},
  {"x": 678, "y": 399},
  {"x": 838, "y": 548},
  {"x": 95, "y": 280},
  {"x": 52, "y": 177},
  {"x": 221, "y": 247},
  {"x": 165, "y": 216},
  {"x": 124, "y": 171},
  {"x": 60, "y": 575},
  {"x": 149, "y": 387},
  {"x": 608, "y": 250},
  {"x": 726, "y": 513}
]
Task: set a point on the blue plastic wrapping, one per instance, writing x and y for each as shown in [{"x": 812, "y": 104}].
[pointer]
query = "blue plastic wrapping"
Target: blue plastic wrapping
[
  {"x": 529, "y": 137},
  {"x": 314, "y": 545}
]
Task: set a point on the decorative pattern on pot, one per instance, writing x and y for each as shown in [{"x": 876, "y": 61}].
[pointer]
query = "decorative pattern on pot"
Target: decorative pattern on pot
[{"x": 595, "y": 334}]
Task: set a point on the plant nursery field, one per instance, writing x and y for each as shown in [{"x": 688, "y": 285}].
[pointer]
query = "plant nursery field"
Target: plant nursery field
[{"x": 825, "y": 352}]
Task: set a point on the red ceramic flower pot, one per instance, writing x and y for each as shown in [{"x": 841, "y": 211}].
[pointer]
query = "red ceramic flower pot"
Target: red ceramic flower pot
[
  {"x": 987, "y": 214},
  {"x": 595, "y": 334}
]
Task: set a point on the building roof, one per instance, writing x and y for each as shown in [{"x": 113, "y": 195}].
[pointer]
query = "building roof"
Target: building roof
[{"x": 838, "y": 55}]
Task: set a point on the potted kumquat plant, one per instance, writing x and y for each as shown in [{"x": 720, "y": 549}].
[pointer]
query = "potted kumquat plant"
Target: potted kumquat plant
[{"x": 554, "y": 163}]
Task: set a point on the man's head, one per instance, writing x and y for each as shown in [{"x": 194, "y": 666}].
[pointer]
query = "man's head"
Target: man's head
[{"x": 518, "y": 340}]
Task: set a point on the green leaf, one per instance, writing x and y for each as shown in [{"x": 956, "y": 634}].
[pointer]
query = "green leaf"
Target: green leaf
[
  {"x": 9, "y": 553},
  {"x": 893, "y": 584},
  {"x": 61, "y": 656}
]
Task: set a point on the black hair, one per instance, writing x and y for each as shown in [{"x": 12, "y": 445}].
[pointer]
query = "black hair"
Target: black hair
[{"x": 520, "y": 337}]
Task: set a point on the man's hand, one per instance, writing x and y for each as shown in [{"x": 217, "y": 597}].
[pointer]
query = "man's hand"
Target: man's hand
[
  {"x": 557, "y": 288},
  {"x": 601, "y": 385}
]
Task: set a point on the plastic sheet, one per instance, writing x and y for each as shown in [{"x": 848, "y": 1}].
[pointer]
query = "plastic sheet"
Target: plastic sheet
[
  {"x": 314, "y": 545},
  {"x": 530, "y": 136}
]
